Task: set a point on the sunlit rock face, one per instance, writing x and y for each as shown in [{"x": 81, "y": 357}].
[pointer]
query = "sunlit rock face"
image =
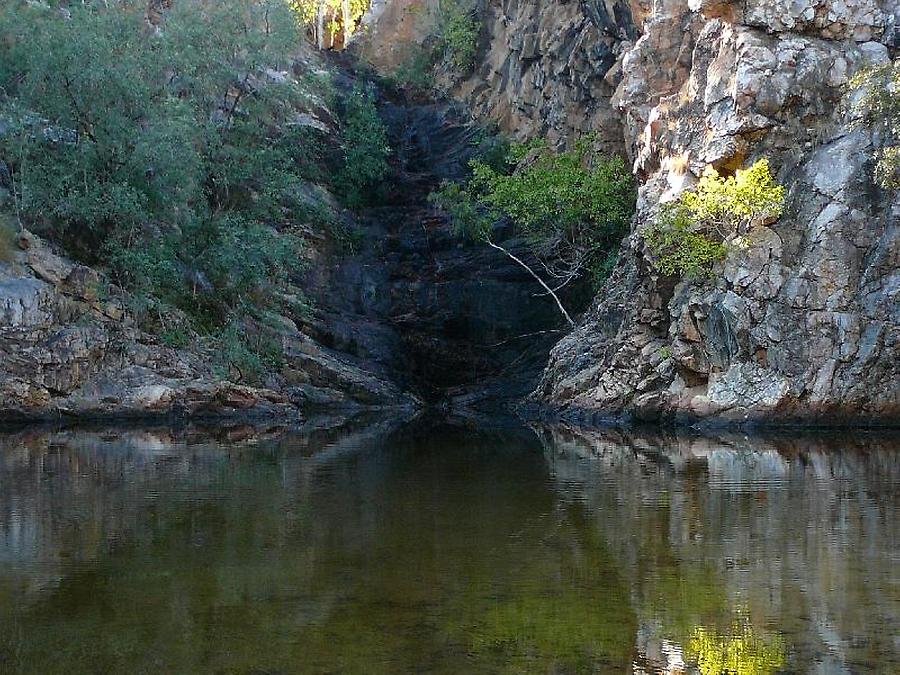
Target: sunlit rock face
[{"x": 801, "y": 323}]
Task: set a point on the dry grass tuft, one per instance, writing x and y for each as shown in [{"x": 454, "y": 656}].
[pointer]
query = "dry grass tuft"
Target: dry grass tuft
[{"x": 680, "y": 164}]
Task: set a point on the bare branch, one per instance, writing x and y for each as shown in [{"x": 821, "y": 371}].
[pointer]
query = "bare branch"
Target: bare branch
[{"x": 537, "y": 277}]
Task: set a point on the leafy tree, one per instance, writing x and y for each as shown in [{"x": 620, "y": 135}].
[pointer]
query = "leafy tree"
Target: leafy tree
[
  {"x": 572, "y": 208},
  {"x": 878, "y": 105},
  {"x": 366, "y": 149},
  {"x": 690, "y": 234},
  {"x": 329, "y": 18},
  {"x": 168, "y": 156}
]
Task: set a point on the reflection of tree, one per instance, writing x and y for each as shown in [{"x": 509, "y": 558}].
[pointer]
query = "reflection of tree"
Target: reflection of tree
[
  {"x": 800, "y": 530},
  {"x": 562, "y": 607},
  {"x": 742, "y": 652}
]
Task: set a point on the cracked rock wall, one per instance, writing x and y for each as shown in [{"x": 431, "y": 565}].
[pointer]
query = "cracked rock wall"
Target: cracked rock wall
[{"x": 802, "y": 324}]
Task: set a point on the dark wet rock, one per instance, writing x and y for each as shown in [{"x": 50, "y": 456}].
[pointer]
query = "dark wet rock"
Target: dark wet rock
[{"x": 451, "y": 320}]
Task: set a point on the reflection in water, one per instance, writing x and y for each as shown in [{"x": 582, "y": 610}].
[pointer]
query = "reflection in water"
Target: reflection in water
[
  {"x": 792, "y": 538},
  {"x": 741, "y": 651},
  {"x": 433, "y": 548}
]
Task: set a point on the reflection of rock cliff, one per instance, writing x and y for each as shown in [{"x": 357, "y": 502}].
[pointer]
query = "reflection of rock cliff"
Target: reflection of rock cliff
[
  {"x": 803, "y": 321},
  {"x": 722, "y": 529}
]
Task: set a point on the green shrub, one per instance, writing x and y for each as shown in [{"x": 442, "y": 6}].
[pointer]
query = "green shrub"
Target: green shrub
[
  {"x": 245, "y": 357},
  {"x": 175, "y": 337},
  {"x": 690, "y": 234},
  {"x": 168, "y": 157},
  {"x": 416, "y": 71},
  {"x": 452, "y": 42},
  {"x": 458, "y": 28},
  {"x": 8, "y": 245},
  {"x": 572, "y": 207},
  {"x": 878, "y": 105},
  {"x": 366, "y": 150}
]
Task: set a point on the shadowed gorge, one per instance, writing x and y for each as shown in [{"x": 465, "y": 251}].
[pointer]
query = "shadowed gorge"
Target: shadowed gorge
[{"x": 449, "y": 318}]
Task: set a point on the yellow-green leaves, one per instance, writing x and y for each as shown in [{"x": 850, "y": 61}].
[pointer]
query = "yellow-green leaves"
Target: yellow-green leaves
[
  {"x": 741, "y": 653},
  {"x": 877, "y": 104},
  {"x": 691, "y": 233},
  {"x": 731, "y": 205}
]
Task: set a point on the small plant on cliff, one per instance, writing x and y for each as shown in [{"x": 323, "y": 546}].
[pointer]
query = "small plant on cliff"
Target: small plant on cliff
[
  {"x": 245, "y": 356},
  {"x": 877, "y": 104},
  {"x": 451, "y": 45},
  {"x": 572, "y": 208},
  {"x": 366, "y": 149},
  {"x": 690, "y": 234},
  {"x": 458, "y": 29}
]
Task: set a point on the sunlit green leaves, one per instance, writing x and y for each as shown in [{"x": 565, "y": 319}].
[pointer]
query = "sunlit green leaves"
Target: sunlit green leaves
[
  {"x": 690, "y": 234},
  {"x": 572, "y": 207},
  {"x": 876, "y": 101}
]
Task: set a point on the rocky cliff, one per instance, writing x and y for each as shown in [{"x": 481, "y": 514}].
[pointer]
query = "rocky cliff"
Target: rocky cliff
[
  {"x": 803, "y": 322},
  {"x": 800, "y": 324},
  {"x": 69, "y": 349}
]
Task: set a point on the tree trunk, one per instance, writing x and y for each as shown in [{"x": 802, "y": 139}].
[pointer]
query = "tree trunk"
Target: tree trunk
[
  {"x": 346, "y": 22},
  {"x": 320, "y": 26}
]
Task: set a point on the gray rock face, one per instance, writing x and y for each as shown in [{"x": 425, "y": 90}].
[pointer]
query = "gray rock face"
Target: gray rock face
[
  {"x": 66, "y": 353},
  {"x": 801, "y": 322},
  {"x": 550, "y": 68}
]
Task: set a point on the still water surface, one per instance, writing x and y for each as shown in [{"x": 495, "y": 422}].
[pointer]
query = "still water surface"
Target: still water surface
[{"x": 437, "y": 548}]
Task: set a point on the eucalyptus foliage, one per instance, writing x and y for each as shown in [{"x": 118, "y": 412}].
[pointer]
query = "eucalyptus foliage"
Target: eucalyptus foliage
[
  {"x": 877, "y": 103},
  {"x": 690, "y": 234},
  {"x": 167, "y": 155}
]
